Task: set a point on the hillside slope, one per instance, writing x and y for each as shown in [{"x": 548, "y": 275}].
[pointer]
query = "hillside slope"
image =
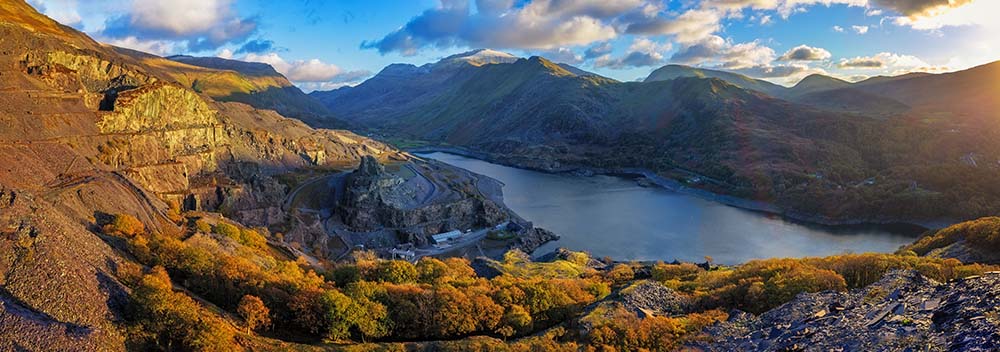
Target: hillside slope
[{"x": 88, "y": 133}]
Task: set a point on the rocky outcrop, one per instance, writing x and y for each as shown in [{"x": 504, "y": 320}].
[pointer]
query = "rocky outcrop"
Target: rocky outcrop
[
  {"x": 374, "y": 199},
  {"x": 533, "y": 238},
  {"x": 651, "y": 297},
  {"x": 905, "y": 311},
  {"x": 157, "y": 107}
]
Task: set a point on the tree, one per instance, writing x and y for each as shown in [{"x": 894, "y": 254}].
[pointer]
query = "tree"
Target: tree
[
  {"x": 515, "y": 321},
  {"x": 396, "y": 271},
  {"x": 308, "y": 310},
  {"x": 124, "y": 225},
  {"x": 254, "y": 313},
  {"x": 341, "y": 312}
]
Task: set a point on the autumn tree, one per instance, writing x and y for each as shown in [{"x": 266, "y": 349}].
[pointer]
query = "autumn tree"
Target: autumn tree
[
  {"x": 124, "y": 225},
  {"x": 254, "y": 313},
  {"x": 396, "y": 271}
]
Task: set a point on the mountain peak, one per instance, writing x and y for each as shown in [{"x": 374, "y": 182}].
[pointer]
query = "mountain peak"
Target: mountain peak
[
  {"x": 817, "y": 82},
  {"x": 478, "y": 57},
  {"x": 675, "y": 71}
]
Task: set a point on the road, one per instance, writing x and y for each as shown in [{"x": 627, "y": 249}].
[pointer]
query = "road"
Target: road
[{"x": 295, "y": 192}]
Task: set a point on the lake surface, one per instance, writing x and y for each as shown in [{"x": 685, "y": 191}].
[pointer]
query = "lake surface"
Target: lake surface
[{"x": 613, "y": 216}]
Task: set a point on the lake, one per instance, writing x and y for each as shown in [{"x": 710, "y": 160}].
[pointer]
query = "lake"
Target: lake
[{"x": 614, "y": 216}]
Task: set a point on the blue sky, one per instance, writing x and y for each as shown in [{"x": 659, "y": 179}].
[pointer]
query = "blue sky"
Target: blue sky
[{"x": 326, "y": 44}]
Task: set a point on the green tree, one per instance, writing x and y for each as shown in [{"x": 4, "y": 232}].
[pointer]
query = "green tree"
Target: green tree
[{"x": 396, "y": 271}]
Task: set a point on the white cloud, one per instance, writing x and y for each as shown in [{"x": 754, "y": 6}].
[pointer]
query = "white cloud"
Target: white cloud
[
  {"x": 307, "y": 71},
  {"x": 642, "y": 52},
  {"x": 689, "y": 27},
  {"x": 860, "y": 29},
  {"x": 562, "y": 55},
  {"x": 63, "y": 11},
  {"x": 181, "y": 17},
  {"x": 539, "y": 24},
  {"x": 805, "y": 53},
  {"x": 979, "y": 13},
  {"x": 890, "y": 63},
  {"x": 199, "y": 24},
  {"x": 717, "y": 51},
  {"x": 838, "y": 29},
  {"x": 157, "y": 47}
]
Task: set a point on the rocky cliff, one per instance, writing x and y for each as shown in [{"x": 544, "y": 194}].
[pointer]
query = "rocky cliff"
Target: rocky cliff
[
  {"x": 374, "y": 199},
  {"x": 86, "y": 132}
]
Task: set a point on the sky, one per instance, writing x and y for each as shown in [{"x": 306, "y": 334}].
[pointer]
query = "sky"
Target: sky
[{"x": 323, "y": 45}]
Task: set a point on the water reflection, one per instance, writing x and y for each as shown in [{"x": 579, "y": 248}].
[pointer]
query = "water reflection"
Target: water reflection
[{"x": 612, "y": 216}]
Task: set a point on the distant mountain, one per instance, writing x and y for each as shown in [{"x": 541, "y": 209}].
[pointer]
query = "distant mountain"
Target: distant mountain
[
  {"x": 669, "y": 72},
  {"x": 476, "y": 58},
  {"x": 256, "y": 84},
  {"x": 818, "y": 82},
  {"x": 404, "y": 86},
  {"x": 973, "y": 91},
  {"x": 833, "y": 151}
]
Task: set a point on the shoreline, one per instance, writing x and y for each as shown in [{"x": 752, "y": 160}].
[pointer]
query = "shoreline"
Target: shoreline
[{"x": 675, "y": 186}]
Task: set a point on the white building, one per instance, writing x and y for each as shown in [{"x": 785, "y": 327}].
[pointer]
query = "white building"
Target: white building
[{"x": 447, "y": 236}]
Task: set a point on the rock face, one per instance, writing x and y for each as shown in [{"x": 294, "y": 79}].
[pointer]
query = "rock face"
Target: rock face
[
  {"x": 532, "y": 239},
  {"x": 374, "y": 199},
  {"x": 903, "y": 312},
  {"x": 86, "y": 132}
]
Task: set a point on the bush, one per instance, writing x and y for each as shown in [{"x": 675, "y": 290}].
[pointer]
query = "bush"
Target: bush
[
  {"x": 228, "y": 230},
  {"x": 254, "y": 313},
  {"x": 202, "y": 226},
  {"x": 621, "y": 273},
  {"x": 124, "y": 225},
  {"x": 684, "y": 272},
  {"x": 246, "y": 237}
]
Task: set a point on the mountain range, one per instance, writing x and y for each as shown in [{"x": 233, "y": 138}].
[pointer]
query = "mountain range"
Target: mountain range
[{"x": 825, "y": 149}]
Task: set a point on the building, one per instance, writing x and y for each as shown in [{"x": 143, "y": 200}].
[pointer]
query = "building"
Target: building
[
  {"x": 446, "y": 236},
  {"x": 404, "y": 254}
]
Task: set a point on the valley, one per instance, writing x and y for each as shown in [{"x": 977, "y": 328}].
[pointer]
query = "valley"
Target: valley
[{"x": 482, "y": 202}]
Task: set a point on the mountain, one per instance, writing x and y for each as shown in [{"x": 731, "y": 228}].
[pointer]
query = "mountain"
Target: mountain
[
  {"x": 399, "y": 86},
  {"x": 817, "y": 82},
  {"x": 475, "y": 58},
  {"x": 670, "y": 72},
  {"x": 822, "y": 155},
  {"x": 91, "y": 137},
  {"x": 255, "y": 84}
]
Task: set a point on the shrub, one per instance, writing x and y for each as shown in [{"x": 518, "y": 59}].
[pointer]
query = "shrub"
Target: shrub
[
  {"x": 621, "y": 273},
  {"x": 124, "y": 225},
  {"x": 684, "y": 272},
  {"x": 254, "y": 313},
  {"x": 202, "y": 226},
  {"x": 228, "y": 230}
]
